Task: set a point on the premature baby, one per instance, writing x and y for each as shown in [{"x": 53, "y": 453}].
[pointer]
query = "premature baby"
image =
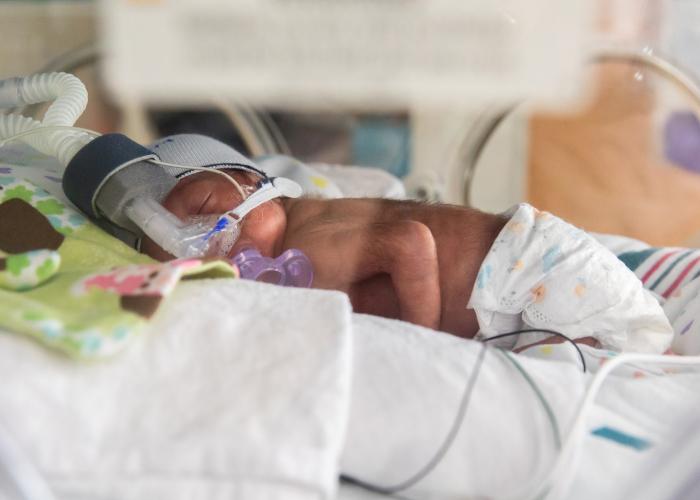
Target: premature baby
[{"x": 446, "y": 267}]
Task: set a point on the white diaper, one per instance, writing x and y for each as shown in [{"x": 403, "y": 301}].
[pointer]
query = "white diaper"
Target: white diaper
[{"x": 542, "y": 272}]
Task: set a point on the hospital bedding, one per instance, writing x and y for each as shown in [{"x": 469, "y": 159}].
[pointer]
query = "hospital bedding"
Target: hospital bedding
[
  {"x": 70, "y": 285},
  {"x": 244, "y": 390},
  {"x": 505, "y": 439},
  {"x": 237, "y": 390}
]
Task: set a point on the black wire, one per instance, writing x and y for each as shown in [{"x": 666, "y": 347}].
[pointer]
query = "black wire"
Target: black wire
[
  {"x": 542, "y": 330},
  {"x": 459, "y": 418},
  {"x": 442, "y": 450}
]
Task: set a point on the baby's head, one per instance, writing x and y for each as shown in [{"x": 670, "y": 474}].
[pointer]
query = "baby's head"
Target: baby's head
[
  {"x": 206, "y": 193},
  {"x": 209, "y": 193}
]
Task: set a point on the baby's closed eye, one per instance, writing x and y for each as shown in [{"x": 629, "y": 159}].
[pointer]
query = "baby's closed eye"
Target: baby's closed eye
[{"x": 202, "y": 194}]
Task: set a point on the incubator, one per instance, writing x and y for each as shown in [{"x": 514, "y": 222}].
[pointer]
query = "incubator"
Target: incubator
[
  {"x": 481, "y": 103},
  {"x": 618, "y": 162}
]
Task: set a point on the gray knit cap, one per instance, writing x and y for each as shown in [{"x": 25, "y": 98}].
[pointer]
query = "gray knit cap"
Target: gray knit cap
[{"x": 199, "y": 151}]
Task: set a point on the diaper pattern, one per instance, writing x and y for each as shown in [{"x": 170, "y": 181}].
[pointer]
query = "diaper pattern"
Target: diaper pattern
[{"x": 542, "y": 272}]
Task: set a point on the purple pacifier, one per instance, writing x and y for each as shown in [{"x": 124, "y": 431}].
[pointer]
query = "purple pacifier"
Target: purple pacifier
[{"x": 291, "y": 268}]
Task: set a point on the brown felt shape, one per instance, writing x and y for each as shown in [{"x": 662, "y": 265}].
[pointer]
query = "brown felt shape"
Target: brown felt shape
[
  {"x": 24, "y": 228},
  {"x": 143, "y": 305}
]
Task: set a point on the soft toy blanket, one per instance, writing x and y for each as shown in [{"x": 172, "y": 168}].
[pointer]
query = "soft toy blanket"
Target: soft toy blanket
[{"x": 70, "y": 285}]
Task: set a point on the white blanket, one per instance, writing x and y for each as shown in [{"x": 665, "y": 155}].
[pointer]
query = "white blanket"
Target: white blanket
[
  {"x": 407, "y": 384},
  {"x": 242, "y": 390},
  {"x": 407, "y": 387},
  {"x": 237, "y": 390}
]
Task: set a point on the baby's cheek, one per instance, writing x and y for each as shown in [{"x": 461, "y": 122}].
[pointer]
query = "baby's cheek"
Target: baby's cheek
[{"x": 264, "y": 229}]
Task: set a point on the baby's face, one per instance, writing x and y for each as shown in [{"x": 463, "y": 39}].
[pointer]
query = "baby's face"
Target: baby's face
[{"x": 206, "y": 193}]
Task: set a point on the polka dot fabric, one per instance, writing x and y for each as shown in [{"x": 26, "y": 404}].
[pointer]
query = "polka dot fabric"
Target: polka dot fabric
[{"x": 542, "y": 272}]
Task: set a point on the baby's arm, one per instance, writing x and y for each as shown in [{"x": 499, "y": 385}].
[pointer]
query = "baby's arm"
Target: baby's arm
[
  {"x": 388, "y": 267},
  {"x": 405, "y": 251},
  {"x": 415, "y": 273}
]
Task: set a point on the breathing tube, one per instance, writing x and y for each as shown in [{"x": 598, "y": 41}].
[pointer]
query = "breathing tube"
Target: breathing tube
[
  {"x": 121, "y": 184},
  {"x": 69, "y": 98}
]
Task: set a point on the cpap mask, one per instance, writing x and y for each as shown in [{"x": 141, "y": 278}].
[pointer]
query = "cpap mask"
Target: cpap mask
[
  {"x": 130, "y": 182},
  {"x": 116, "y": 179},
  {"x": 129, "y": 193},
  {"x": 203, "y": 236}
]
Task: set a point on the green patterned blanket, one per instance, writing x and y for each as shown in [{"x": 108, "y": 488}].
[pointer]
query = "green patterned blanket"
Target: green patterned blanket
[{"x": 70, "y": 285}]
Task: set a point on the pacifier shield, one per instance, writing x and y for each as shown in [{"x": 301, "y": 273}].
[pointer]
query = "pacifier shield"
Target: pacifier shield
[{"x": 291, "y": 268}]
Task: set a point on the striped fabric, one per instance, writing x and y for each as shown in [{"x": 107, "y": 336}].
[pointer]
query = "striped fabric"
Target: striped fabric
[{"x": 664, "y": 270}]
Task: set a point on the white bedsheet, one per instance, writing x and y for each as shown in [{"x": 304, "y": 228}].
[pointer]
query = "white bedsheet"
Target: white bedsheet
[
  {"x": 403, "y": 401},
  {"x": 242, "y": 390},
  {"x": 407, "y": 386}
]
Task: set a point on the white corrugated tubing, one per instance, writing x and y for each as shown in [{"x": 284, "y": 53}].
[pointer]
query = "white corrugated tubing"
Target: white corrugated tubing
[{"x": 69, "y": 98}]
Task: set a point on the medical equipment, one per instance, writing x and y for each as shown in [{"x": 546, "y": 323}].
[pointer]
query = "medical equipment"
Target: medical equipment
[
  {"x": 358, "y": 55},
  {"x": 112, "y": 177},
  {"x": 70, "y": 101},
  {"x": 259, "y": 134}
]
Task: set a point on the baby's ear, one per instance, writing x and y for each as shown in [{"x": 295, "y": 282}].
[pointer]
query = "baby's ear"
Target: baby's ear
[{"x": 201, "y": 193}]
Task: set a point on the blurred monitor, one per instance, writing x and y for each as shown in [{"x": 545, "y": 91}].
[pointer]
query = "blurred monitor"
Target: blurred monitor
[{"x": 354, "y": 54}]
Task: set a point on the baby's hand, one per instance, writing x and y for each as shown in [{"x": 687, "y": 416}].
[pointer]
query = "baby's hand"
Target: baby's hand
[{"x": 387, "y": 267}]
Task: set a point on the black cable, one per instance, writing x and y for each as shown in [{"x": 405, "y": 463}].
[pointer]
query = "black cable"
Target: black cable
[
  {"x": 459, "y": 418},
  {"x": 442, "y": 450},
  {"x": 542, "y": 330}
]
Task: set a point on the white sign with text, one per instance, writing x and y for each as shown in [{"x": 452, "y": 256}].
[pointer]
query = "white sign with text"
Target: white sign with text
[{"x": 345, "y": 53}]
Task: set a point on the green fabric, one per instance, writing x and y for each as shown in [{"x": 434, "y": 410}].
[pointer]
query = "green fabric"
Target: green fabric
[
  {"x": 70, "y": 285},
  {"x": 27, "y": 270}
]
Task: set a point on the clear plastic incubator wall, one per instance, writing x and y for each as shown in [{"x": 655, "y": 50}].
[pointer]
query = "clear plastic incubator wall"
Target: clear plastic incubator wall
[{"x": 235, "y": 236}]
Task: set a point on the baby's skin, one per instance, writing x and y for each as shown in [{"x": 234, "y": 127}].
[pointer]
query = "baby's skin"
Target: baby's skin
[{"x": 398, "y": 259}]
